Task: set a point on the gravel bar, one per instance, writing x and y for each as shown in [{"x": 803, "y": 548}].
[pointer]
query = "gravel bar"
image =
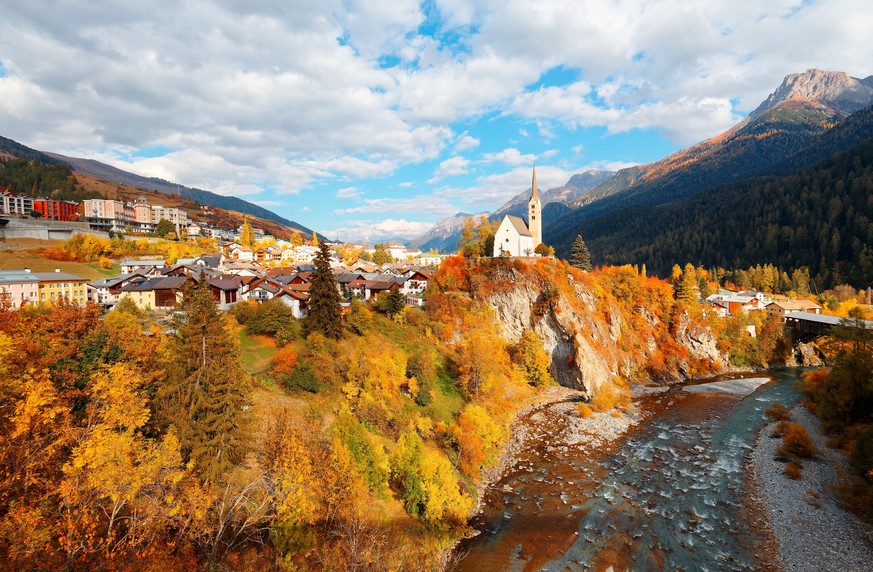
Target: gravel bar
[{"x": 813, "y": 531}]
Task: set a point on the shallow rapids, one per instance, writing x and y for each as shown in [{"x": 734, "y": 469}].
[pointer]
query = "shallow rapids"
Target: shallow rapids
[{"x": 670, "y": 495}]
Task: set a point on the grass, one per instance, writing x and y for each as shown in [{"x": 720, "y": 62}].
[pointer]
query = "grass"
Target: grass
[
  {"x": 256, "y": 351},
  {"x": 447, "y": 399},
  {"x": 19, "y": 259}
]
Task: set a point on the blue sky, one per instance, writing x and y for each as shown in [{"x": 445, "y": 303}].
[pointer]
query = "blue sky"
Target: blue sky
[{"x": 368, "y": 119}]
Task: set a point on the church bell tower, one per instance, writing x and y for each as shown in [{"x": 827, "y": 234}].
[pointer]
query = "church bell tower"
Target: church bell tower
[{"x": 534, "y": 212}]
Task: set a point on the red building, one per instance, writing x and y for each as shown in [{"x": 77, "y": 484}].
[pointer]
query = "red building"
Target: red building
[{"x": 57, "y": 210}]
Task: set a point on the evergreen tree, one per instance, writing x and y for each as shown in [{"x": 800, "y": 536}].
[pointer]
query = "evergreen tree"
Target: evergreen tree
[
  {"x": 324, "y": 314},
  {"x": 686, "y": 289},
  {"x": 579, "y": 255},
  {"x": 247, "y": 236},
  {"x": 206, "y": 392}
]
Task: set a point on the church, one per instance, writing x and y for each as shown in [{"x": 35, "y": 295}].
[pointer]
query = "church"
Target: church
[{"x": 514, "y": 237}]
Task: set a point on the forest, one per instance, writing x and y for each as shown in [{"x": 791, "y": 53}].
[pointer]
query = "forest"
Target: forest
[
  {"x": 819, "y": 217},
  {"x": 37, "y": 179}
]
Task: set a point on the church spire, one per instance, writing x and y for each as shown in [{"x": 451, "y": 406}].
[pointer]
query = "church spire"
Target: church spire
[
  {"x": 534, "y": 194},
  {"x": 534, "y": 211}
]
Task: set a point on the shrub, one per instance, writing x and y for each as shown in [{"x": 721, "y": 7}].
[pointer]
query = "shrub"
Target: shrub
[
  {"x": 302, "y": 378},
  {"x": 779, "y": 430},
  {"x": 105, "y": 263},
  {"x": 778, "y": 412},
  {"x": 584, "y": 410},
  {"x": 793, "y": 471},
  {"x": 609, "y": 396},
  {"x": 243, "y": 311},
  {"x": 796, "y": 442},
  {"x": 861, "y": 462},
  {"x": 270, "y": 318}
]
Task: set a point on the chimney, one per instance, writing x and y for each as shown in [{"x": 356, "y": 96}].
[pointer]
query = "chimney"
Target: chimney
[
  {"x": 26, "y": 269},
  {"x": 57, "y": 269}
]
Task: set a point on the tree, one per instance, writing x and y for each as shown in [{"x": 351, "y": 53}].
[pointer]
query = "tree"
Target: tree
[
  {"x": 468, "y": 244},
  {"x": 381, "y": 256},
  {"x": 247, "y": 236},
  {"x": 544, "y": 249},
  {"x": 579, "y": 255},
  {"x": 324, "y": 314},
  {"x": 686, "y": 288},
  {"x": 206, "y": 392},
  {"x": 392, "y": 303},
  {"x": 36, "y": 214},
  {"x": 164, "y": 228},
  {"x": 533, "y": 359}
]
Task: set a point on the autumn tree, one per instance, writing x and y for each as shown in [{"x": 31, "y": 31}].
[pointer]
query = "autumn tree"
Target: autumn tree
[
  {"x": 530, "y": 355},
  {"x": 686, "y": 286},
  {"x": 324, "y": 314},
  {"x": 247, "y": 235},
  {"x": 165, "y": 228},
  {"x": 468, "y": 245},
  {"x": 206, "y": 393},
  {"x": 579, "y": 255}
]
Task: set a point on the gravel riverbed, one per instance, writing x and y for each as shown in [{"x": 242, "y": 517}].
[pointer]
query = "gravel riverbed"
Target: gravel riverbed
[{"x": 813, "y": 531}]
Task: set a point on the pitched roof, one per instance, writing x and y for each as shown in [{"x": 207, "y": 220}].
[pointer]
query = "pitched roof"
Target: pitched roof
[
  {"x": 58, "y": 277},
  {"x": 789, "y": 305},
  {"x": 519, "y": 224},
  {"x": 17, "y": 276}
]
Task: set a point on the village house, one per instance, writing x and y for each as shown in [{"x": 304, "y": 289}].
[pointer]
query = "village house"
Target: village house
[
  {"x": 158, "y": 293},
  {"x": 56, "y": 285},
  {"x": 146, "y": 267},
  {"x": 107, "y": 291},
  {"x": 19, "y": 287},
  {"x": 781, "y": 308}
]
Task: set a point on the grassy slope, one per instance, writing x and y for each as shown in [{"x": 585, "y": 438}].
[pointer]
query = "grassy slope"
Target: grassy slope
[{"x": 19, "y": 259}]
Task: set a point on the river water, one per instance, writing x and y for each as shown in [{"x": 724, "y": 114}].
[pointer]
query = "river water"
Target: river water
[{"x": 673, "y": 494}]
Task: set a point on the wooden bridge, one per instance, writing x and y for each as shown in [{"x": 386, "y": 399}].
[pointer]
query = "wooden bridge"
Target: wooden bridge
[{"x": 806, "y": 326}]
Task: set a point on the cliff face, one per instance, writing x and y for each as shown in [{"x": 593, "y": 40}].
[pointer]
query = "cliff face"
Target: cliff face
[{"x": 610, "y": 324}]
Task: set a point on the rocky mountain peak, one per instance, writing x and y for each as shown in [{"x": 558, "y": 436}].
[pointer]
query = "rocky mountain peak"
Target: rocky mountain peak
[{"x": 836, "y": 90}]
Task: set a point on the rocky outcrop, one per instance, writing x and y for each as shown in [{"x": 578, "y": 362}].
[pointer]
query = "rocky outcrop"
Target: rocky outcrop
[
  {"x": 591, "y": 339},
  {"x": 837, "y": 91}
]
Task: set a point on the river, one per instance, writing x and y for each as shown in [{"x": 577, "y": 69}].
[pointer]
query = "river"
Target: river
[{"x": 672, "y": 494}]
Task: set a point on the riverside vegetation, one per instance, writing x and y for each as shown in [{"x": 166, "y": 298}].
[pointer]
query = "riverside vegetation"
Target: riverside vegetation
[{"x": 358, "y": 447}]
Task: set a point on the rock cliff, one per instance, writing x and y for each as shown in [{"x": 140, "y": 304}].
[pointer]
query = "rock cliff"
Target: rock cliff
[{"x": 595, "y": 330}]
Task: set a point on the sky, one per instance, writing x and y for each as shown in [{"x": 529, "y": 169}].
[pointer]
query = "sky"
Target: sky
[{"x": 371, "y": 119}]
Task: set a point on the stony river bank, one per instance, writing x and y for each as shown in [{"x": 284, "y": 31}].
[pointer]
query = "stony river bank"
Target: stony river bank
[{"x": 812, "y": 530}]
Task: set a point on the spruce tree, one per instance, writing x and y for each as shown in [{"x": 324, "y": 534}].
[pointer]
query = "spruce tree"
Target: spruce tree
[
  {"x": 324, "y": 314},
  {"x": 206, "y": 392},
  {"x": 579, "y": 255},
  {"x": 686, "y": 289}
]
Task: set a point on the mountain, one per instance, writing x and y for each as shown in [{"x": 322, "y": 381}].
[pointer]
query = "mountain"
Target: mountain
[
  {"x": 108, "y": 173},
  {"x": 444, "y": 235},
  {"x": 446, "y": 232},
  {"x": 578, "y": 187},
  {"x": 793, "y": 117},
  {"x": 810, "y": 212}
]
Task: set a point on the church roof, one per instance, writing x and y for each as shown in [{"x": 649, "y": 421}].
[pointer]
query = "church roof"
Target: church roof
[{"x": 519, "y": 224}]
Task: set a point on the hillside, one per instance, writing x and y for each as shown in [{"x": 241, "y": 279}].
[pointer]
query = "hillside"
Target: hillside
[
  {"x": 818, "y": 216},
  {"x": 105, "y": 172},
  {"x": 803, "y": 108}
]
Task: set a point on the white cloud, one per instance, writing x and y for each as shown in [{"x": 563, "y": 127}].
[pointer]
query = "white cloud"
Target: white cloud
[
  {"x": 431, "y": 204},
  {"x": 378, "y": 231},
  {"x": 466, "y": 142},
  {"x": 451, "y": 167},
  {"x": 510, "y": 156},
  {"x": 349, "y": 193}
]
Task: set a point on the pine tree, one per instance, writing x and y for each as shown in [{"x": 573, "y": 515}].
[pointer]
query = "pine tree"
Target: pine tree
[
  {"x": 324, "y": 314},
  {"x": 579, "y": 255},
  {"x": 686, "y": 289},
  {"x": 206, "y": 392}
]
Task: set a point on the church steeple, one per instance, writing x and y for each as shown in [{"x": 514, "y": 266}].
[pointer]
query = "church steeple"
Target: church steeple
[{"x": 534, "y": 212}]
